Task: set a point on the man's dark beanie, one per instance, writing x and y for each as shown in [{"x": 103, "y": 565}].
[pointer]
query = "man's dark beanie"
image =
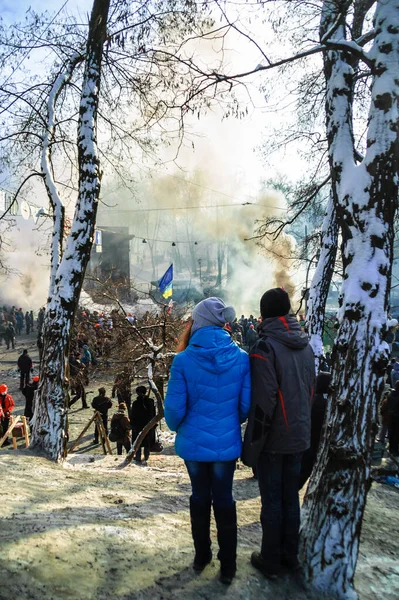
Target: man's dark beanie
[{"x": 274, "y": 303}]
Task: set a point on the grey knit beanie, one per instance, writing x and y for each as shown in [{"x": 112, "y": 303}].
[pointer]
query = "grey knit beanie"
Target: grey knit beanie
[{"x": 212, "y": 312}]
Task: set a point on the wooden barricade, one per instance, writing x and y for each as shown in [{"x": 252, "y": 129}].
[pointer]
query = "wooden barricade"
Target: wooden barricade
[
  {"x": 19, "y": 429},
  {"x": 96, "y": 418}
]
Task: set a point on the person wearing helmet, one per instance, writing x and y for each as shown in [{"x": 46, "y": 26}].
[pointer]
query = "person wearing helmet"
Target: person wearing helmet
[
  {"x": 29, "y": 393},
  {"x": 7, "y": 405}
]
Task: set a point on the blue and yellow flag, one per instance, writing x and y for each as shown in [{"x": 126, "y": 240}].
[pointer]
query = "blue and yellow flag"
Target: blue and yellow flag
[{"x": 165, "y": 283}]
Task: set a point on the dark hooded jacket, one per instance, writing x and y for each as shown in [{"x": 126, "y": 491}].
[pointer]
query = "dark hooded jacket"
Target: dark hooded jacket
[{"x": 283, "y": 379}]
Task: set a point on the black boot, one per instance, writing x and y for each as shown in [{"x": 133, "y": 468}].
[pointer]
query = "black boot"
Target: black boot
[
  {"x": 226, "y": 522},
  {"x": 200, "y": 529}
]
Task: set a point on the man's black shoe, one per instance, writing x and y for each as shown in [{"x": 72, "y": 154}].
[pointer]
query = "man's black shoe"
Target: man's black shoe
[
  {"x": 199, "y": 565},
  {"x": 259, "y": 563},
  {"x": 292, "y": 564}
]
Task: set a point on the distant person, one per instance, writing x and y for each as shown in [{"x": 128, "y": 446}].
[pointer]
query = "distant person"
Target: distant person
[
  {"x": 123, "y": 389},
  {"x": 29, "y": 393},
  {"x": 390, "y": 410},
  {"x": 120, "y": 429},
  {"x": 24, "y": 366},
  {"x": 9, "y": 336},
  {"x": 32, "y": 320},
  {"x": 278, "y": 431},
  {"x": 141, "y": 413},
  {"x": 102, "y": 404},
  {"x": 207, "y": 399},
  {"x": 19, "y": 321},
  {"x": 394, "y": 373},
  {"x": 86, "y": 355},
  {"x": 389, "y": 370},
  {"x": 252, "y": 337},
  {"x": 7, "y": 405},
  {"x": 40, "y": 320},
  {"x": 27, "y": 323}
]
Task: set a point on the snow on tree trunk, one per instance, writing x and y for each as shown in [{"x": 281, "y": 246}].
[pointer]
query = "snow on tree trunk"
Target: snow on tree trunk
[
  {"x": 366, "y": 204},
  {"x": 56, "y": 204},
  {"x": 321, "y": 281},
  {"x": 50, "y": 423}
]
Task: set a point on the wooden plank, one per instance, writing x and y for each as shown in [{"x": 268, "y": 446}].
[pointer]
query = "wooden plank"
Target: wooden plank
[
  {"x": 104, "y": 436},
  {"x": 83, "y": 432},
  {"x": 26, "y": 432},
  {"x": 14, "y": 421},
  {"x": 100, "y": 433}
]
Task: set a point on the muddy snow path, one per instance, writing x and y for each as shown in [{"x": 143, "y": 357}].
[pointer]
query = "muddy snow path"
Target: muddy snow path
[{"x": 87, "y": 531}]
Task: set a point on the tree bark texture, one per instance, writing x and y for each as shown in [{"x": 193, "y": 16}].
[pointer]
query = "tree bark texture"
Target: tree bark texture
[
  {"x": 57, "y": 206},
  {"x": 320, "y": 285},
  {"x": 50, "y": 423},
  {"x": 366, "y": 200}
]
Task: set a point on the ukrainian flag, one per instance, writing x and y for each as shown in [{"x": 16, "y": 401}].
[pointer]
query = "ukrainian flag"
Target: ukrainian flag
[{"x": 166, "y": 283}]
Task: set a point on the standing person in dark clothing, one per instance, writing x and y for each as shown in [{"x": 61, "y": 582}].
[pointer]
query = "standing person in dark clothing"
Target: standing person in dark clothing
[
  {"x": 27, "y": 323},
  {"x": 122, "y": 389},
  {"x": 390, "y": 412},
  {"x": 9, "y": 336},
  {"x": 19, "y": 321},
  {"x": 79, "y": 379},
  {"x": 102, "y": 404},
  {"x": 29, "y": 393},
  {"x": 25, "y": 366},
  {"x": 278, "y": 431},
  {"x": 141, "y": 413},
  {"x": 319, "y": 407},
  {"x": 252, "y": 337},
  {"x": 40, "y": 320},
  {"x": 120, "y": 429},
  {"x": 32, "y": 320}
]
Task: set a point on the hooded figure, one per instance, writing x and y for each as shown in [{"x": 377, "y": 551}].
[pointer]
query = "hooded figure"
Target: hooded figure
[
  {"x": 207, "y": 399},
  {"x": 278, "y": 431}
]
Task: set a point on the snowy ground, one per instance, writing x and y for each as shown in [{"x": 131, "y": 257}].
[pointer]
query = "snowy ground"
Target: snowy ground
[{"x": 90, "y": 531}]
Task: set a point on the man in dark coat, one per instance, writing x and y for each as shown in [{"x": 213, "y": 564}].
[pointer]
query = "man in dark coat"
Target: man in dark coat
[
  {"x": 278, "y": 431},
  {"x": 29, "y": 393},
  {"x": 24, "y": 365},
  {"x": 102, "y": 404},
  {"x": 9, "y": 336},
  {"x": 390, "y": 411},
  {"x": 122, "y": 389},
  {"x": 27, "y": 323},
  {"x": 252, "y": 337},
  {"x": 141, "y": 413}
]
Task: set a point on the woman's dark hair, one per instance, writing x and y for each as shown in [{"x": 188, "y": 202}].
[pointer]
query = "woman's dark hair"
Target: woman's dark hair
[
  {"x": 397, "y": 386},
  {"x": 141, "y": 390},
  {"x": 185, "y": 337}
]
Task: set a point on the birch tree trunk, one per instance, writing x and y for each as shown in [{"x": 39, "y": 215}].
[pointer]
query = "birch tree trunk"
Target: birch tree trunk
[
  {"x": 50, "y": 422},
  {"x": 321, "y": 281},
  {"x": 366, "y": 196},
  {"x": 57, "y": 206}
]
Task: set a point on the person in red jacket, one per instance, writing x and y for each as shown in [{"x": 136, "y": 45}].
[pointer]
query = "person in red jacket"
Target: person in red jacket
[{"x": 7, "y": 405}]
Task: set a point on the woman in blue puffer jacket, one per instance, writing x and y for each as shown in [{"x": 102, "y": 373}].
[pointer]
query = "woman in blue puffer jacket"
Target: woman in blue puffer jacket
[{"x": 208, "y": 397}]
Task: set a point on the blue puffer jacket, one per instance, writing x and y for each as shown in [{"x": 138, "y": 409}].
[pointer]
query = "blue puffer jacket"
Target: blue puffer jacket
[{"x": 209, "y": 395}]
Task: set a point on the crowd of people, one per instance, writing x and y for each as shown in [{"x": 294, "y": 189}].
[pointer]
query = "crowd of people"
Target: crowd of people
[
  {"x": 126, "y": 424},
  {"x": 226, "y": 372},
  {"x": 13, "y": 322}
]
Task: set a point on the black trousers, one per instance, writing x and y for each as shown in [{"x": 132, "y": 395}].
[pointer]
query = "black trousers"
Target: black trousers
[
  {"x": 23, "y": 379},
  {"x": 119, "y": 445},
  {"x": 104, "y": 418}
]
